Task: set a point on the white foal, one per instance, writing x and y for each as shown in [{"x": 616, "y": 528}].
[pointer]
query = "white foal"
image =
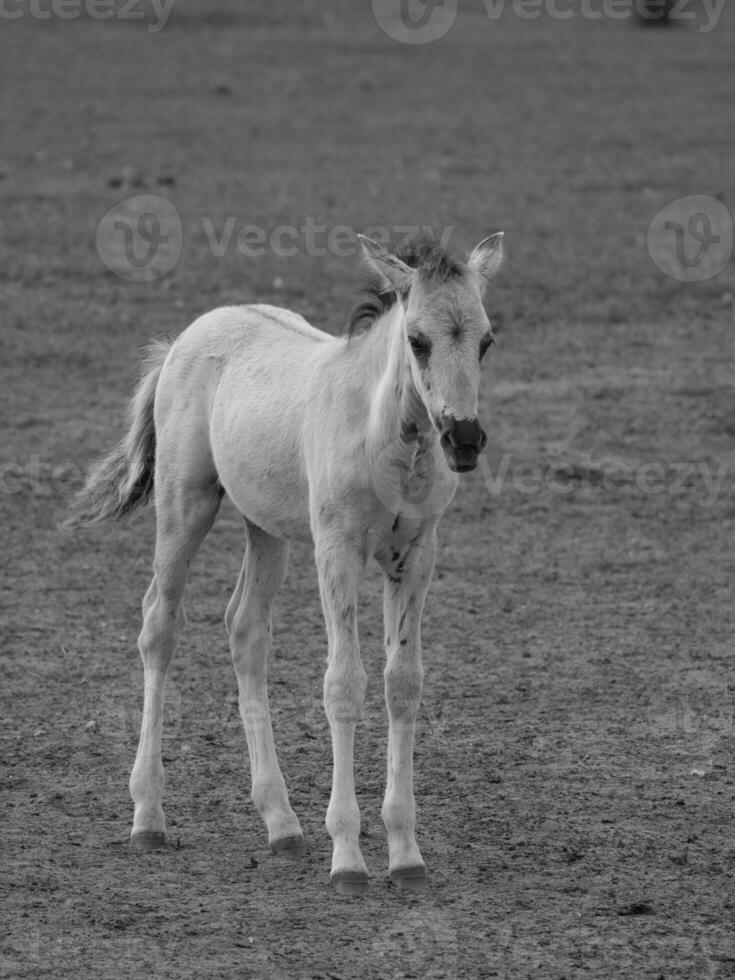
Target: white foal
[{"x": 353, "y": 442}]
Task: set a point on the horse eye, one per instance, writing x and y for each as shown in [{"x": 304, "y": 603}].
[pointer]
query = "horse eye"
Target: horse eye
[
  {"x": 485, "y": 344},
  {"x": 420, "y": 346}
]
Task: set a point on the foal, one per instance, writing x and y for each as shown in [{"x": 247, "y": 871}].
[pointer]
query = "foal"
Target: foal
[{"x": 352, "y": 442}]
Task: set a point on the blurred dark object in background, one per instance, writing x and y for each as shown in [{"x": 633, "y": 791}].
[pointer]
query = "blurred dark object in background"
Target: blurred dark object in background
[{"x": 650, "y": 12}]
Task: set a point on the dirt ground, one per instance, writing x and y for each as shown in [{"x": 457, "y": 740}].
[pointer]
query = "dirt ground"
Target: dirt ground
[{"x": 575, "y": 774}]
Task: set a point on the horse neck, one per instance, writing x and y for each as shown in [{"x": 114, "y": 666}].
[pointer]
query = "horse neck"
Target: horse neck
[{"x": 397, "y": 413}]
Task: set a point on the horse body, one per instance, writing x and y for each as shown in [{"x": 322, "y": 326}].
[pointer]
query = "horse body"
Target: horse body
[{"x": 350, "y": 442}]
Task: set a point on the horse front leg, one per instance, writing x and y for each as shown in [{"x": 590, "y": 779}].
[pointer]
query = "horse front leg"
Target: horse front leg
[
  {"x": 340, "y": 570},
  {"x": 407, "y": 580}
]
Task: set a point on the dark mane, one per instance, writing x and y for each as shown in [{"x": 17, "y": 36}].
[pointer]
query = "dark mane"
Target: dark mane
[{"x": 423, "y": 252}]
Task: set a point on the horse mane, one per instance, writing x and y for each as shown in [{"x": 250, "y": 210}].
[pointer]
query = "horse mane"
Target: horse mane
[{"x": 422, "y": 251}]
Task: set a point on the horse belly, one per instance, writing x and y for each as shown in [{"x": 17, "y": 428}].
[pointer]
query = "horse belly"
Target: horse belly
[
  {"x": 269, "y": 498},
  {"x": 256, "y": 447}
]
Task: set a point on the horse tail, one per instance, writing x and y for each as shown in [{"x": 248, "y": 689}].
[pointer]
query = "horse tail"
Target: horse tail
[{"x": 123, "y": 481}]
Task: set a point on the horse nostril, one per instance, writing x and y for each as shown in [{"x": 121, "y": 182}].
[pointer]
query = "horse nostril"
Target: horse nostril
[
  {"x": 448, "y": 440},
  {"x": 463, "y": 434}
]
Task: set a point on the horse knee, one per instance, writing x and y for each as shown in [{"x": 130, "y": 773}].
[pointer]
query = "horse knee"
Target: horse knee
[
  {"x": 403, "y": 685},
  {"x": 344, "y": 694}
]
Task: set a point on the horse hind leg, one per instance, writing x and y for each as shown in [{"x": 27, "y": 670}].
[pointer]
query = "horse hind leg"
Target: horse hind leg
[
  {"x": 184, "y": 516},
  {"x": 248, "y": 621}
]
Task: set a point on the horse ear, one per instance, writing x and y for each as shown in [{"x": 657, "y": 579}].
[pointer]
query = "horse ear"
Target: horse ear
[
  {"x": 394, "y": 274},
  {"x": 487, "y": 257}
]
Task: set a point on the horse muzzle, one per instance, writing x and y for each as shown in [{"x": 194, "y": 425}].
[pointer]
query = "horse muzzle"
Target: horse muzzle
[{"x": 462, "y": 441}]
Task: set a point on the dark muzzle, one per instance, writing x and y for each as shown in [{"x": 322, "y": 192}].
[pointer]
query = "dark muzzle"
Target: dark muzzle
[{"x": 462, "y": 441}]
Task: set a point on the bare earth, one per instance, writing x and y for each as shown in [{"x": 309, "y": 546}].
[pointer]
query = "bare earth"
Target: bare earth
[{"x": 575, "y": 770}]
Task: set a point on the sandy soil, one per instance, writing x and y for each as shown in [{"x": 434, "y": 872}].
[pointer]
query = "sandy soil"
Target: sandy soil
[{"x": 575, "y": 775}]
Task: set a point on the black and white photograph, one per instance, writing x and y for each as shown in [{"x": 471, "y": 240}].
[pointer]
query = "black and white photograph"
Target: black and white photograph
[{"x": 367, "y": 489}]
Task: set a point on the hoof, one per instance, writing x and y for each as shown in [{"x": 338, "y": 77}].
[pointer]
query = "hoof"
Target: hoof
[
  {"x": 350, "y": 882},
  {"x": 148, "y": 840},
  {"x": 289, "y": 846},
  {"x": 411, "y": 879}
]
